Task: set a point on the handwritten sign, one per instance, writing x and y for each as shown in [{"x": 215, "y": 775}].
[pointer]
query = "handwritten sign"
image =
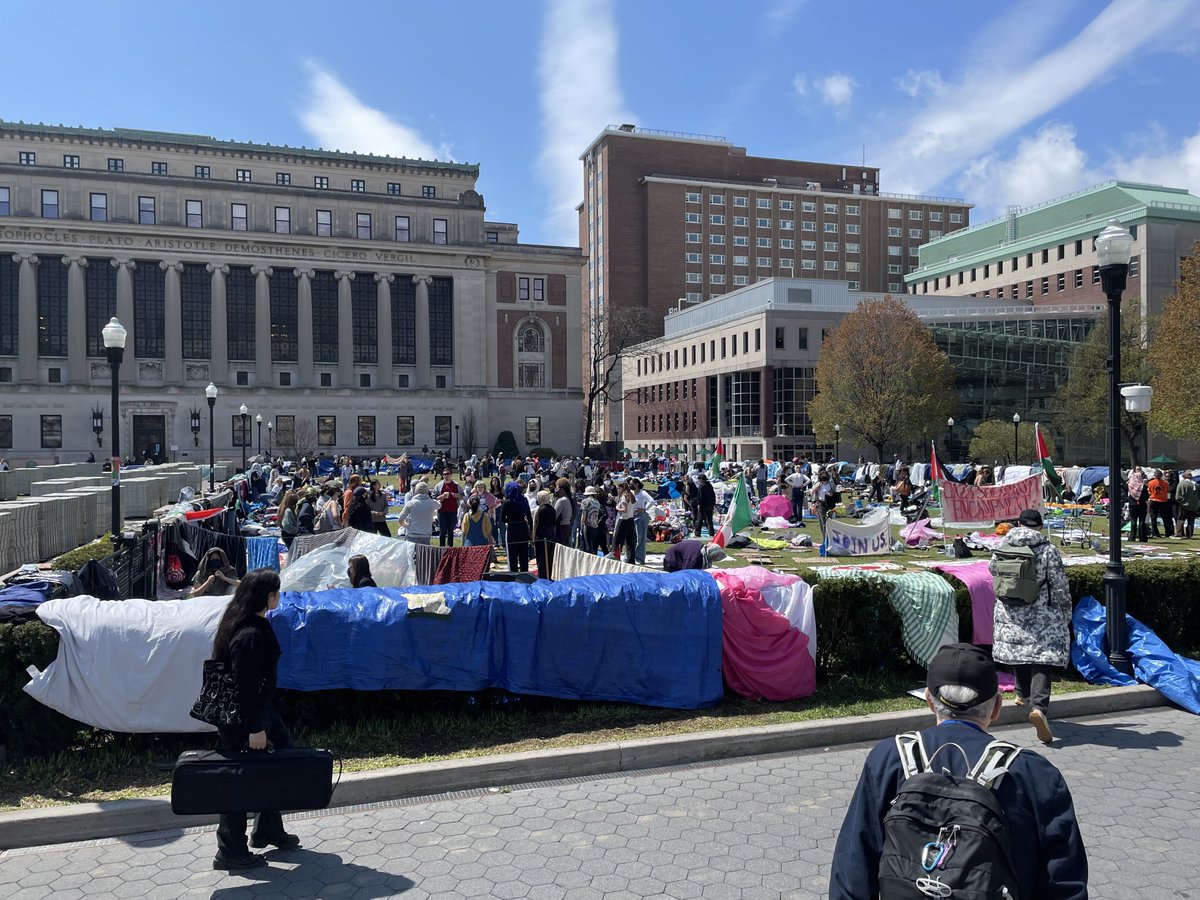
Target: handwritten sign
[
  {"x": 968, "y": 506},
  {"x": 869, "y": 537}
]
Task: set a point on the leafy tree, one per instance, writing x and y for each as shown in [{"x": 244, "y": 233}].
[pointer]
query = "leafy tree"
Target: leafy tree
[
  {"x": 1176, "y": 377},
  {"x": 882, "y": 377},
  {"x": 993, "y": 441},
  {"x": 623, "y": 333},
  {"x": 506, "y": 445},
  {"x": 1083, "y": 398}
]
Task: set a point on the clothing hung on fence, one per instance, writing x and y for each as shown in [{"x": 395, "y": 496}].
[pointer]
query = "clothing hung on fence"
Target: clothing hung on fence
[
  {"x": 978, "y": 580},
  {"x": 463, "y": 564},
  {"x": 572, "y": 563},
  {"x": 426, "y": 561},
  {"x": 307, "y": 543},
  {"x": 262, "y": 553}
]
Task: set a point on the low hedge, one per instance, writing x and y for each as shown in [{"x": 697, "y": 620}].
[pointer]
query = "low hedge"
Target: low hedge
[{"x": 857, "y": 632}]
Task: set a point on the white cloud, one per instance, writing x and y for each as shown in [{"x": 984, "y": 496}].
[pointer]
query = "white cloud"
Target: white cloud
[
  {"x": 1003, "y": 95},
  {"x": 837, "y": 89},
  {"x": 800, "y": 85},
  {"x": 1045, "y": 165},
  {"x": 925, "y": 81},
  {"x": 338, "y": 120},
  {"x": 1174, "y": 166},
  {"x": 579, "y": 96},
  {"x": 779, "y": 16}
]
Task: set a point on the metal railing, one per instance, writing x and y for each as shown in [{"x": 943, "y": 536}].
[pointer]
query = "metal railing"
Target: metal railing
[{"x": 135, "y": 567}]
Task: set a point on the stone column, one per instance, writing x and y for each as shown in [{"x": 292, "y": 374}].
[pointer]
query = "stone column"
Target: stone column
[
  {"x": 77, "y": 368},
  {"x": 345, "y": 369},
  {"x": 383, "y": 286},
  {"x": 304, "y": 326},
  {"x": 424, "y": 380},
  {"x": 218, "y": 366},
  {"x": 125, "y": 269},
  {"x": 172, "y": 325},
  {"x": 262, "y": 325},
  {"x": 27, "y": 317}
]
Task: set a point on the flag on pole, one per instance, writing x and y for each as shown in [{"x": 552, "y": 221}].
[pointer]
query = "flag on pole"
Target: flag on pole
[
  {"x": 714, "y": 461},
  {"x": 738, "y": 516},
  {"x": 1043, "y": 456},
  {"x": 935, "y": 468}
]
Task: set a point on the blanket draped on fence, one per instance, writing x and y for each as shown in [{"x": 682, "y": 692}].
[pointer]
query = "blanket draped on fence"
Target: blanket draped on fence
[
  {"x": 462, "y": 564},
  {"x": 979, "y": 584},
  {"x": 262, "y": 553},
  {"x": 572, "y": 563}
]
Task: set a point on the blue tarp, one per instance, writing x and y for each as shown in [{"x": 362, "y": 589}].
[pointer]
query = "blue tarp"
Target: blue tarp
[
  {"x": 1175, "y": 677},
  {"x": 650, "y": 639},
  {"x": 1092, "y": 474}
]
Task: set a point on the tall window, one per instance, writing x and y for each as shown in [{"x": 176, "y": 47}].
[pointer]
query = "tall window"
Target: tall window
[
  {"x": 325, "y": 317},
  {"x": 195, "y": 214},
  {"x": 239, "y": 216},
  {"x": 98, "y": 207},
  {"x": 49, "y": 204},
  {"x": 284, "y": 314},
  {"x": 531, "y": 355},
  {"x": 364, "y": 308},
  {"x": 404, "y": 321},
  {"x": 283, "y": 220},
  {"x": 6, "y": 437},
  {"x": 403, "y": 232},
  {"x": 9, "y": 304},
  {"x": 148, "y": 299},
  {"x": 441, "y": 322},
  {"x": 146, "y": 210},
  {"x": 52, "y": 307},
  {"x": 366, "y": 431},
  {"x": 241, "y": 427},
  {"x": 285, "y": 434},
  {"x": 5, "y": 205},
  {"x": 51, "y": 432},
  {"x": 406, "y": 431},
  {"x": 100, "y": 302},
  {"x": 441, "y": 431},
  {"x": 326, "y": 431},
  {"x": 239, "y": 313},
  {"x": 440, "y": 234},
  {"x": 362, "y": 226},
  {"x": 324, "y": 222},
  {"x": 195, "y": 294}
]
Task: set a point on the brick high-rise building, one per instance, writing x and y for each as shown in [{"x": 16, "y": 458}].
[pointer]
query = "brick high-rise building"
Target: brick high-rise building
[{"x": 674, "y": 217}]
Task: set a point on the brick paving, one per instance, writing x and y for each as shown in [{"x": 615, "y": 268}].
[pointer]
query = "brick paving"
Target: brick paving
[{"x": 752, "y": 828}]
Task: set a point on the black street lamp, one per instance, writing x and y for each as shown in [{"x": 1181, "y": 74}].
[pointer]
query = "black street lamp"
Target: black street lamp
[
  {"x": 456, "y": 441},
  {"x": 837, "y": 443},
  {"x": 211, "y": 393},
  {"x": 114, "y": 335},
  {"x": 270, "y": 443},
  {"x": 258, "y": 419},
  {"x": 1114, "y": 247},
  {"x": 1016, "y": 437},
  {"x": 245, "y": 414},
  {"x": 195, "y": 423},
  {"x": 950, "y": 437},
  {"x": 98, "y": 425}
]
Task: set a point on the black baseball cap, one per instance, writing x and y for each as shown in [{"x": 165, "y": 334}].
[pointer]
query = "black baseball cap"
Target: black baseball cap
[
  {"x": 1030, "y": 518},
  {"x": 966, "y": 665}
]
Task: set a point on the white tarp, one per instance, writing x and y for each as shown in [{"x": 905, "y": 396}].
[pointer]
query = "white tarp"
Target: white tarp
[
  {"x": 869, "y": 536},
  {"x": 391, "y": 564},
  {"x": 133, "y": 666}
]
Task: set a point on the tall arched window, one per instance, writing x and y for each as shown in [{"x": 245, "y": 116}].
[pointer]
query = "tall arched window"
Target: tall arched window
[{"x": 531, "y": 354}]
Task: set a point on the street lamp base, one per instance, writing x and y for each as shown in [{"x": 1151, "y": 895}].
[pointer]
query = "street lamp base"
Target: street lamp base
[{"x": 1114, "y": 617}]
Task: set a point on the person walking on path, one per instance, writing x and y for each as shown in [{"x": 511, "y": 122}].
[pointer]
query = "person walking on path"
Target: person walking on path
[
  {"x": 246, "y": 643},
  {"x": 1160, "y": 505},
  {"x": 1187, "y": 498},
  {"x": 1035, "y": 639},
  {"x": 1048, "y": 857}
]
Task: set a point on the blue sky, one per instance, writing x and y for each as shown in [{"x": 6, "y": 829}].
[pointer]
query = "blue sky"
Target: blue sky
[{"x": 996, "y": 103}]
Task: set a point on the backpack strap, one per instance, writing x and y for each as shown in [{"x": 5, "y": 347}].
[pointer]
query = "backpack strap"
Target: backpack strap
[
  {"x": 994, "y": 763},
  {"x": 913, "y": 758}
]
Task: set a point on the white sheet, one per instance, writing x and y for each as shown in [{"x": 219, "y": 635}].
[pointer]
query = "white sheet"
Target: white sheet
[
  {"x": 391, "y": 563},
  {"x": 133, "y": 666}
]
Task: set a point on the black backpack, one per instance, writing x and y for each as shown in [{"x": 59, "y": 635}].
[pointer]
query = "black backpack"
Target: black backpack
[{"x": 947, "y": 835}]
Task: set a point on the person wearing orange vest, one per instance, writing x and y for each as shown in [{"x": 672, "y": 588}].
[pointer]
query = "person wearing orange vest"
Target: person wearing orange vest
[{"x": 1160, "y": 504}]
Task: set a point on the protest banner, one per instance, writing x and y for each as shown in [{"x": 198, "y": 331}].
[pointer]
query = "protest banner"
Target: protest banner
[
  {"x": 967, "y": 506},
  {"x": 870, "y": 535}
]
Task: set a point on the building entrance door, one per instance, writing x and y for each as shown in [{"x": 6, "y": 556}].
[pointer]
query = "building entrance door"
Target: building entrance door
[{"x": 148, "y": 438}]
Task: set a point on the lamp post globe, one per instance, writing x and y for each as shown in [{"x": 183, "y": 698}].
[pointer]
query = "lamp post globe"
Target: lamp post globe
[
  {"x": 114, "y": 334},
  {"x": 245, "y": 414},
  {"x": 1114, "y": 248},
  {"x": 949, "y": 435},
  {"x": 1016, "y": 437},
  {"x": 210, "y": 393},
  {"x": 258, "y": 419}
]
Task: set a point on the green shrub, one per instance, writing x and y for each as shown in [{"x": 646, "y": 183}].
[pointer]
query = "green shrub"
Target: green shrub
[
  {"x": 1162, "y": 594},
  {"x": 543, "y": 453},
  {"x": 506, "y": 445},
  {"x": 73, "y": 560},
  {"x": 857, "y": 629},
  {"x": 28, "y": 727}
]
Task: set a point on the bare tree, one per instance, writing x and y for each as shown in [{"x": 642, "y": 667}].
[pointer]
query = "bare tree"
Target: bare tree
[
  {"x": 470, "y": 432},
  {"x": 625, "y": 333},
  {"x": 302, "y": 441}
]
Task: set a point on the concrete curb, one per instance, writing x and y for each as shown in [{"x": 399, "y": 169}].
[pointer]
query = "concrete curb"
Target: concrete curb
[{"x": 89, "y": 821}]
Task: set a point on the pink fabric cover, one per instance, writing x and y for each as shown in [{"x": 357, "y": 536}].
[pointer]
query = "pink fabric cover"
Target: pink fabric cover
[
  {"x": 915, "y": 532},
  {"x": 978, "y": 580},
  {"x": 763, "y": 657},
  {"x": 775, "y": 505}
]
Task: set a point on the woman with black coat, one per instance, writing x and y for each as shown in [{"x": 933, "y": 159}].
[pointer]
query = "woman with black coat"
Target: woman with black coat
[
  {"x": 518, "y": 525},
  {"x": 246, "y": 643},
  {"x": 545, "y": 533}
]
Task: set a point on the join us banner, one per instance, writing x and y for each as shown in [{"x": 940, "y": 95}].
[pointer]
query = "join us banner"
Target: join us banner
[
  {"x": 966, "y": 506},
  {"x": 870, "y": 536}
]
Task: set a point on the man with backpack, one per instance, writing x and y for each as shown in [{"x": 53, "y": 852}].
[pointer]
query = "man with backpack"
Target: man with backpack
[
  {"x": 948, "y": 812},
  {"x": 1032, "y": 617}
]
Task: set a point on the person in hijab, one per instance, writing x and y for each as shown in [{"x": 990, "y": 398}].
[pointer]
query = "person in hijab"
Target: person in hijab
[
  {"x": 1138, "y": 495},
  {"x": 545, "y": 534},
  {"x": 215, "y": 577},
  {"x": 518, "y": 527}
]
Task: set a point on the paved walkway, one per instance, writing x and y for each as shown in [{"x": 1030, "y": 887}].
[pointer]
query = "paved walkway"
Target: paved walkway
[{"x": 757, "y": 828}]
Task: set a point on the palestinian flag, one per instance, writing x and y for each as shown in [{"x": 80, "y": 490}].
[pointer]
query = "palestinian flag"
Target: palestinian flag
[
  {"x": 1043, "y": 456},
  {"x": 738, "y": 516},
  {"x": 935, "y": 468},
  {"x": 714, "y": 462}
]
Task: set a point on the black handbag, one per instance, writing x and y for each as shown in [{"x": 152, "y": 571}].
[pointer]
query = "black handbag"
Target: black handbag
[
  {"x": 206, "y": 782},
  {"x": 218, "y": 701}
]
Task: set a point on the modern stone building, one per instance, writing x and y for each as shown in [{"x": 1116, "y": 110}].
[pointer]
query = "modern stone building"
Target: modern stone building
[
  {"x": 670, "y": 218},
  {"x": 357, "y": 303}
]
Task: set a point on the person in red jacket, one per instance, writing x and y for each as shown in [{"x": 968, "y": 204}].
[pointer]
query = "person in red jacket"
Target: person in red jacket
[
  {"x": 447, "y": 494},
  {"x": 1160, "y": 505}
]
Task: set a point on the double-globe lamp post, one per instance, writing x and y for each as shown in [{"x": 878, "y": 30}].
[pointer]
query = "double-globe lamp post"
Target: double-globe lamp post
[
  {"x": 211, "y": 393},
  {"x": 1016, "y": 438},
  {"x": 1114, "y": 247},
  {"x": 245, "y": 414},
  {"x": 114, "y": 335}
]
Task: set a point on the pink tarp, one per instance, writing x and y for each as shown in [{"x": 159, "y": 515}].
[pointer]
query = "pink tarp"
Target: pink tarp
[
  {"x": 775, "y": 505},
  {"x": 978, "y": 580},
  {"x": 764, "y": 656}
]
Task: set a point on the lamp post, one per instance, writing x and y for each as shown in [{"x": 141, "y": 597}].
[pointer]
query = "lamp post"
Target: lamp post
[
  {"x": 456, "y": 440},
  {"x": 114, "y": 335},
  {"x": 1113, "y": 249},
  {"x": 1016, "y": 437},
  {"x": 98, "y": 425},
  {"x": 949, "y": 436},
  {"x": 270, "y": 443},
  {"x": 258, "y": 419},
  {"x": 245, "y": 414},
  {"x": 837, "y": 443},
  {"x": 211, "y": 393},
  {"x": 195, "y": 425}
]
